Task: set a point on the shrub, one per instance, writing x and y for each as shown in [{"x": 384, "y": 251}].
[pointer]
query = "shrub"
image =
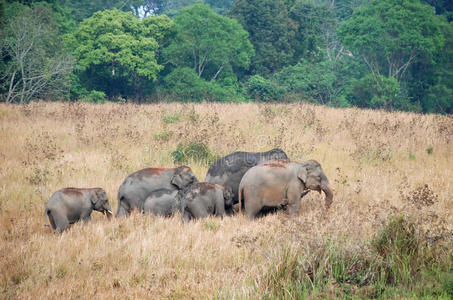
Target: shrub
[
  {"x": 194, "y": 151},
  {"x": 94, "y": 96},
  {"x": 396, "y": 262},
  {"x": 379, "y": 91},
  {"x": 171, "y": 118},
  {"x": 262, "y": 89},
  {"x": 185, "y": 83}
]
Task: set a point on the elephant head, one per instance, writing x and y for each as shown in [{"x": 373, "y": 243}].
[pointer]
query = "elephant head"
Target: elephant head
[
  {"x": 228, "y": 196},
  {"x": 183, "y": 177},
  {"x": 313, "y": 177},
  {"x": 100, "y": 202}
]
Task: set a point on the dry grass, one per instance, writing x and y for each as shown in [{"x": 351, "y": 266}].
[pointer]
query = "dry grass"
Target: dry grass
[{"x": 379, "y": 163}]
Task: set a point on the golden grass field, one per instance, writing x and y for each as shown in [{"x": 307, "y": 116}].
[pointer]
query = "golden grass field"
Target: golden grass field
[{"x": 379, "y": 164}]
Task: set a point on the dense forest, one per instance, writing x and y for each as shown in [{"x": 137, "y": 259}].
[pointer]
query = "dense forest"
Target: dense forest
[{"x": 387, "y": 54}]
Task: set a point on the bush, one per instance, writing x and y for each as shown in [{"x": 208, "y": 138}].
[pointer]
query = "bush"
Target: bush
[
  {"x": 186, "y": 84},
  {"x": 94, "y": 96},
  {"x": 379, "y": 91},
  {"x": 319, "y": 82},
  {"x": 262, "y": 89},
  {"x": 397, "y": 249},
  {"x": 194, "y": 151},
  {"x": 396, "y": 262}
]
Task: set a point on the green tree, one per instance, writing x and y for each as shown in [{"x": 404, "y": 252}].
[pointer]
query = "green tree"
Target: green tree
[
  {"x": 315, "y": 30},
  {"x": 82, "y": 9},
  {"x": 262, "y": 89},
  {"x": 430, "y": 83},
  {"x": 220, "y": 6},
  {"x": 444, "y": 7},
  {"x": 391, "y": 35},
  {"x": 117, "y": 52},
  {"x": 208, "y": 43},
  {"x": 271, "y": 33}
]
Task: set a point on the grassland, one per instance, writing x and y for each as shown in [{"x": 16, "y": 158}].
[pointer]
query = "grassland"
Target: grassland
[{"x": 388, "y": 234}]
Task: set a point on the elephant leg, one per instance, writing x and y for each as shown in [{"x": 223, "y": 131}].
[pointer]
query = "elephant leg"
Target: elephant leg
[
  {"x": 61, "y": 222},
  {"x": 198, "y": 210},
  {"x": 252, "y": 205},
  {"x": 293, "y": 196},
  {"x": 51, "y": 220},
  {"x": 186, "y": 216},
  {"x": 122, "y": 210}
]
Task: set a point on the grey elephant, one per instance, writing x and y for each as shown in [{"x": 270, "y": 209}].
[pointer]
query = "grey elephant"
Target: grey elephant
[
  {"x": 204, "y": 198},
  {"x": 281, "y": 184},
  {"x": 229, "y": 170},
  {"x": 163, "y": 202},
  {"x": 139, "y": 185},
  {"x": 69, "y": 205}
]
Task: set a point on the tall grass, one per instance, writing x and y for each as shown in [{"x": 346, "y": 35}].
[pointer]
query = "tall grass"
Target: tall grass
[
  {"x": 396, "y": 262},
  {"x": 377, "y": 162}
]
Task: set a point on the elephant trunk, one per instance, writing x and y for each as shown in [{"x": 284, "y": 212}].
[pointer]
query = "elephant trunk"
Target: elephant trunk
[{"x": 329, "y": 195}]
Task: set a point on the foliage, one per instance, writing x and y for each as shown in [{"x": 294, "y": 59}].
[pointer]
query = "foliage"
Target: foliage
[
  {"x": 35, "y": 63},
  {"x": 395, "y": 262},
  {"x": 193, "y": 152},
  {"x": 271, "y": 32},
  {"x": 389, "y": 54},
  {"x": 379, "y": 91},
  {"x": 184, "y": 83},
  {"x": 94, "y": 96},
  {"x": 262, "y": 89},
  {"x": 120, "y": 49},
  {"x": 82, "y": 9},
  {"x": 315, "y": 26},
  {"x": 391, "y": 36},
  {"x": 208, "y": 43},
  {"x": 220, "y": 6}
]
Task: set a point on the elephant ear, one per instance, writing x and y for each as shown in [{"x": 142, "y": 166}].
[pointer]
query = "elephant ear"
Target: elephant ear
[
  {"x": 177, "y": 180},
  {"x": 97, "y": 196},
  {"x": 302, "y": 174}
]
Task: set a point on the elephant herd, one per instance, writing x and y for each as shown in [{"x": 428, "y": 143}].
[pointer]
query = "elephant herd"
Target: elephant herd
[{"x": 257, "y": 182}]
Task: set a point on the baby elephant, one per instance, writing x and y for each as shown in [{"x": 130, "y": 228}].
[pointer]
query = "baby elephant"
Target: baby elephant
[
  {"x": 163, "y": 202},
  {"x": 70, "y": 205},
  {"x": 204, "y": 198}
]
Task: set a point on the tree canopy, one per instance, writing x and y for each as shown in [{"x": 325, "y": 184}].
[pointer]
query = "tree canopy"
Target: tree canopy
[
  {"x": 391, "y": 35},
  {"x": 113, "y": 45},
  {"x": 208, "y": 42},
  {"x": 387, "y": 54}
]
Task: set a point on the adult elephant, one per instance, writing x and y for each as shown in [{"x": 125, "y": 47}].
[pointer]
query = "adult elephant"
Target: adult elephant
[
  {"x": 280, "y": 183},
  {"x": 229, "y": 170},
  {"x": 139, "y": 185},
  {"x": 69, "y": 205}
]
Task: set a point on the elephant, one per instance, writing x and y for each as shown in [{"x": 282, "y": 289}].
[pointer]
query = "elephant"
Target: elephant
[
  {"x": 205, "y": 198},
  {"x": 69, "y": 205},
  {"x": 139, "y": 185},
  {"x": 230, "y": 169},
  {"x": 281, "y": 184},
  {"x": 163, "y": 202}
]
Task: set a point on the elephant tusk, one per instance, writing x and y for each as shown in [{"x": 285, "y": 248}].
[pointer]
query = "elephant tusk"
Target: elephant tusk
[{"x": 109, "y": 211}]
